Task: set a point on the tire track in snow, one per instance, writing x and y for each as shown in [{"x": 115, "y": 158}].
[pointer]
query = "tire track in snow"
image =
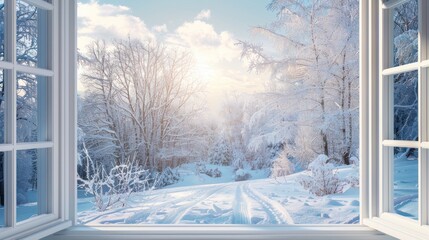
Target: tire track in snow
[
  {"x": 241, "y": 214},
  {"x": 274, "y": 209},
  {"x": 177, "y": 214}
]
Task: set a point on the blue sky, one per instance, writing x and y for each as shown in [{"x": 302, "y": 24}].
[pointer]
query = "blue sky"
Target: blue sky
[
  {"x": 236, "y": 16},
  {"x": 208, "y": 29}
]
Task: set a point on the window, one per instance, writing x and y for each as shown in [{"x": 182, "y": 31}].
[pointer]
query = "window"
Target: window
[
  {"x": 378, "y": 132},
  {"x": 30, "y": 194}
]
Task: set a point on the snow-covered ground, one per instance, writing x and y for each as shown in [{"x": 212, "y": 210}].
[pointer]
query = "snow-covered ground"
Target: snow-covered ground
[
  {"x": 200, "y": 199},
  {"x": 256, "y": 201}
]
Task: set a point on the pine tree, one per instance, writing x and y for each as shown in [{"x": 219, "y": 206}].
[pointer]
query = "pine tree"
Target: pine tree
[{"x": 221, "y": 154}]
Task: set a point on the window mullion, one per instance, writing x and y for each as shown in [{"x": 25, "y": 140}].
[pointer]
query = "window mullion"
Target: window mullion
[
  {"x": 385, "y": 112},
  {"x": 10, "y": 163},
  {"x": 423, "y": 114}
]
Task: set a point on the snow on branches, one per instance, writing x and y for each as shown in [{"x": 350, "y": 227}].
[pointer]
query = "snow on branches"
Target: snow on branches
[{"x": 323, "y": 178}]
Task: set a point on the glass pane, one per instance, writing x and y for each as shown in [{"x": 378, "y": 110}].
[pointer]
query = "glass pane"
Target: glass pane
[
  {"x": 2, "y": 193},
  {"x": 405, "y": 33},
  {"x": 32, "y": 35},
  {"x": 405, "y": 106},
  {"x": 2, "y": 29},
  {"x": 31, "y": 188},
  {"x": 2, "y": 107},
  {"x": 32, "y": 107},
  {"x": 405, "y": 182}
]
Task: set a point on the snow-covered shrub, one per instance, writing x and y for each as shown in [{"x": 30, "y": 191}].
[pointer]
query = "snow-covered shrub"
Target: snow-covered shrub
[
  {"x": 200, "y": 168},
  {"x": 167, "y": 177},
  {"x": 242, "y": 175},
  {"x": 112, "y": 188},
  {"x": 125, "y": 179},
  {"x": 214, "y": 173},
  {"x": 322, "y": 179},
  {"x": 354, "y": 161},
  {"x": 282, "y": 166},
  {"x": 21, "y": 198}
]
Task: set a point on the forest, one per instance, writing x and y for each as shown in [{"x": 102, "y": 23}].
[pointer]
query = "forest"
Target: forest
[{"x": 143, "y": 114}]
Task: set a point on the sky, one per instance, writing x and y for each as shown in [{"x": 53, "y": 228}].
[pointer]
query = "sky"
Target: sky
[{"x": 209, "y": 29}]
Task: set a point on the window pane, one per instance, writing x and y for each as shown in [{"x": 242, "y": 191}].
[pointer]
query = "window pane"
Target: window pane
[
  {"x": 405, "y": 182},
  {"x": 32, "y": 35},
  {"x": 32, "y": 107},
  {"x": 405, "y": 33},
  {"x": 2, "y": 29},
  {"x": 2, "y": 190},
  {"x": 31, "y": 189},
  {"x": 405, "y": 106},
  {"x": 2, "y": 107}
]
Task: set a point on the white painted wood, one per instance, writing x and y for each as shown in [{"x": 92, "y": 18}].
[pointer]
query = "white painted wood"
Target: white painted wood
[
  {"x": 422, "y": 111},
  {"x": 392, "y": 3},
  {"x": 399, "y": 228},
  {"x": 373, "y": 114},
  {"x": 48, "y": 94},
  {"x": 6, "y": 147},
  {"x": 33, "y": 145},
  {"x": 40, "y": 4},
  {"x": 10, "y": 175},
  {"x": 33, "y": 70},
  {"x": 364, "y": 98},
  {"x": 232, "y": 232},
  {"x": 425, "y": 63},
  {"x": 6, "y": 65},
  {"x": 400, "y": 69},
  {"x": 400, "y": 143}
]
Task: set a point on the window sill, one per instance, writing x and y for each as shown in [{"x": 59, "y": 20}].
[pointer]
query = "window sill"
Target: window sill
[{"x": 245, "y": 232}]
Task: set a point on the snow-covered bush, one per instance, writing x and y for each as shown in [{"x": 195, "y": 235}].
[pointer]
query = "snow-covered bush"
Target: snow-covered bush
[
  {"x": 125, "y": 179},
  {"x": 282, "y": 166},
  {"x": 323, "y": 178},
  {"x": 202, "y": 169},
  {"x": 167, "y": 177},
  {"x": 112, "y": 188},
  {"x": 214, "y": 173},
  {"x": 242, "y": 175}
]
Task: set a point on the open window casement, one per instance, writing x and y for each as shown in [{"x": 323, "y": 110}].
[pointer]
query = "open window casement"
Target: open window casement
[
  {"x": 52, "y": 68},
  {"x": 393, "y": 51},
  {"x": 37, "y": 46}
]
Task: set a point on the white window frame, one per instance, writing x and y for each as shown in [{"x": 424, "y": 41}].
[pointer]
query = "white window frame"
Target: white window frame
[
  {"x": 55, "y": 199},
  {"x": 371, "y": 170},
  {"x": 380, "y": 87}
]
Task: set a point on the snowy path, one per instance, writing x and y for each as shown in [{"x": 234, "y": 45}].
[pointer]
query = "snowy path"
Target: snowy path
[
  {"x": 275, "y": 210},
  {"x": 249, "y": 202},
  {"x": 175, "y": 215},
  {"x": 241, "y": 213}
]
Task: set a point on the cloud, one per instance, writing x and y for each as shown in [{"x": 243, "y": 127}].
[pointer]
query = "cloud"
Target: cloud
[
  {"x": 203, "y": 15},
  {"x": 108, "y": 22},
  {"x": 160, "y": 28},
  {"x": 217, "y": 59}
]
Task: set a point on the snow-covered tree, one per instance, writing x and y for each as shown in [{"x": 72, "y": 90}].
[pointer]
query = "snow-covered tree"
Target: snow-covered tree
[
  {"x": 221, "y": 153},
  {"x": 282, "y": 166},
  {"x": 137, "y": 102},
  {"x": 311, "y": 51}
]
